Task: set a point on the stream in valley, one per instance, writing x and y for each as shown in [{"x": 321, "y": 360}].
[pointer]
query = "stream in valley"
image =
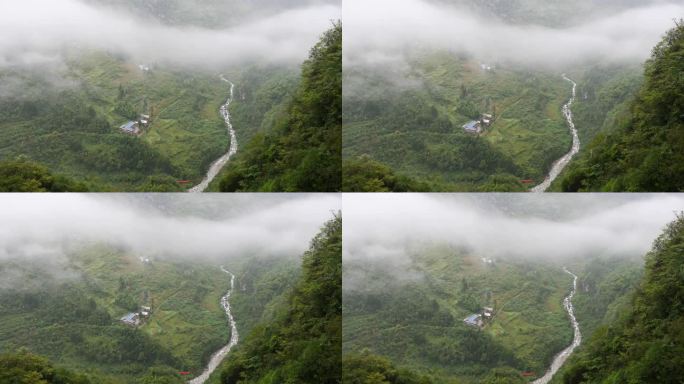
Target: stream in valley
[
  {"x": 563, "y": 355},
  {"x": 221, "y": 162},
  {"x": 561, "y": 163},
  {"x": 219, "y": 355}
]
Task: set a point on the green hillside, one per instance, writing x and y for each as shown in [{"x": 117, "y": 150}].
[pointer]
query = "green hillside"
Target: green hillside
[
  {"x": 416, "y": 128},
  {"x": 72, "y": 317},
  {"x": 415, "y": 317},
  {"x": 74, "y": 129}
]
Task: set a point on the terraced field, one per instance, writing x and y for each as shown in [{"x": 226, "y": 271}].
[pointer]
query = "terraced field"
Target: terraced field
[
  {"x": 73, "y": 128},
  {"x": 416, "y": 128},
  {"x": 419, "y": 323}
]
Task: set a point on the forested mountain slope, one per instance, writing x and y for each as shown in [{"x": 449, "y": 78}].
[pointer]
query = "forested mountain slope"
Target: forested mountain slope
[
  {"x": 646, "y": 344},
  {"x": 645, "y": 151},
  {"x": 301, "y": 151},
  {"x": 303, "y": 343}
]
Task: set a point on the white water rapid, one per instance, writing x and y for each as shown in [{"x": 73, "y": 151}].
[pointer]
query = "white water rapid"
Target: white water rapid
[
  {"x": 563, "y": 355},
  {"x": 561, "y": 163},
  {"x": 219, "y": 355},
  {"x": 217, "y": 165}
]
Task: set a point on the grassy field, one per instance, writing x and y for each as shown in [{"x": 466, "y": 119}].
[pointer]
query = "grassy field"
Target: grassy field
[{"x": 418, "y": 323}]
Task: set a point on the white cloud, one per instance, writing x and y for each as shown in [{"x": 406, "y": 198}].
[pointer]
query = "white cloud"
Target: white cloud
[
  {"x": 38, "y": 226},
  {"x": 40, "y": 29},
  {"x": 382, "y": 227},
  {"x": 378, "y": 30}
]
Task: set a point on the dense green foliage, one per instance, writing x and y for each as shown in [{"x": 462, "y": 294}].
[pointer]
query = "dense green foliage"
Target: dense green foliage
[
  {"x": 646, "y": 344},
  {"x": 302, "y": 344},
  {"x": 414, "y": 316},
  {"x": 302, "y": 150},
  {"x": 26, "y": 368},
  {"x": 368, "y": 369},
  {"x": 645, "y": 151},
  {"x": 367, "y": 175},
  {"x": 416, "y": 128},
  {"x": 24, "y": 176}
]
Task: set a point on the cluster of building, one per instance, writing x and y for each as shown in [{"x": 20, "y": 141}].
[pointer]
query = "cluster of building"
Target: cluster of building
[
  {"x": 135, "y": 127},
  {"x": 480, "y": 319},
  {"x": 136, "y": 318},
  {"x": 476, "y": 126}
]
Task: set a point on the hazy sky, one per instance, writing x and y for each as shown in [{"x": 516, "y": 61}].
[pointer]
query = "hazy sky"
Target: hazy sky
[
  {"x": 384, "y": 32},
  {"x": 383, "y": 227},
  {"x": 35, "y": 31},
  {"x": 35, "y": 227}
]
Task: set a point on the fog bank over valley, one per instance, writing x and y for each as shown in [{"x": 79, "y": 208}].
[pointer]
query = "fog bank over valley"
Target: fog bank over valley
[
  {"x": 387, "y": 228},
  {"x": 37, "y": 32},
  {"x": 388, "y": 33},
  {"x": 42, "y": 229}
]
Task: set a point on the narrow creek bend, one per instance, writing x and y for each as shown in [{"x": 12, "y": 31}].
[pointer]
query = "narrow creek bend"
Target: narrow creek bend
[
  {"x": 561, "y": 163},
  {"x": 219, "y": 355},
  {"x": 221, "y": 162},
  {"x": 563, "y": 355}
]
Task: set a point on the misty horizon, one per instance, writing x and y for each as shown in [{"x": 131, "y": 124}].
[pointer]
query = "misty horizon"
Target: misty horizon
[
  {"x": 37, "y": 227},
  {"x": 36, "y": 33},
  {"x": 390, "y": 33},
  {"x": 388, "y": 228}
]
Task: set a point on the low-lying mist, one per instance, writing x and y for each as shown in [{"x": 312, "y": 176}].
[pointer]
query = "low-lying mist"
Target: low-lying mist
[
  {"x": 39, "y": 229},
  {"x": 383, "y": 228},
  {"x": 37, "y": 31},
  {"x": 387, "y": 32}
]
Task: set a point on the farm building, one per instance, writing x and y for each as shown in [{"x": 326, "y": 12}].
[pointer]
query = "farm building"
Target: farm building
[
  {"x": 486, "y": 119},
  {"x": 132, "y": 319},
  {"x": 131, "y": 128},
  {"x": 136, "y": 318},
  {"x": 473, "y": 127},
  {"x": 473, "y": 320}
]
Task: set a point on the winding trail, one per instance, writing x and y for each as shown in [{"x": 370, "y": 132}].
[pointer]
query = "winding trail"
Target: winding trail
[
  {"x": 561, "y": 163},
  {"x": 221, "y": 162},
  {"x": 563, "y": 355},
  {"x": 219, "y": 355}
]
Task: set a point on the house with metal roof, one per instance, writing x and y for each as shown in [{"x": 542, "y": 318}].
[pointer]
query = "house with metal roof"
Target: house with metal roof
[
  {"x": 473, "y": 127},
  {"x": 131, "y": 127},
  {"x": 473, "y": 320},
  {"x": 132, "y": 319}
]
